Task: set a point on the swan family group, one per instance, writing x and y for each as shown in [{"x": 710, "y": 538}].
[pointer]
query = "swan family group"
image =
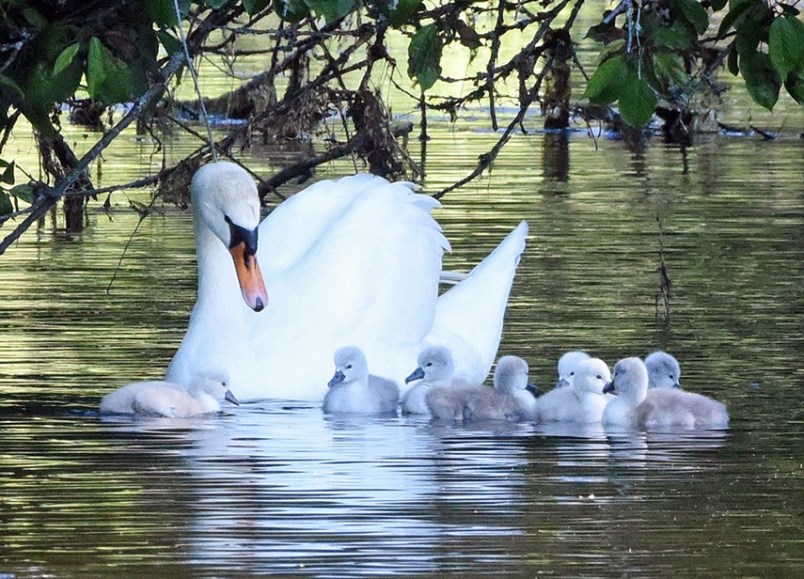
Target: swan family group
[{"x": 352, "y": 268}]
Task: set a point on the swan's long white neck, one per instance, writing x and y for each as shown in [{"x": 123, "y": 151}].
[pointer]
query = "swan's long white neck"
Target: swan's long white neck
[{"x": 219, "y": 294}]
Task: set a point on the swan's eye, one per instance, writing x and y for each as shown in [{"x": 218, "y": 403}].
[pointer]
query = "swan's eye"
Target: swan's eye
[
  {"x": 572, "y": 373},
  {"x": 671, "y": 376},
  {"x": 349, "y": 367},
  {"x": 428, "y": 364},
  {"x": 599, "y": 377}
]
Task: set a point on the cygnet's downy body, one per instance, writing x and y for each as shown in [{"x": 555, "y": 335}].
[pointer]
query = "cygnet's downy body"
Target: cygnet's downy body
[
  {"x": 169, "y": 400},
  {"x": 352, "y": 390},
  {"x": 584, "y": 402},
  {"x": 512, "y": 398},
  {"x": 664, "y": 371},
  {"x": 636, "y": 406}
]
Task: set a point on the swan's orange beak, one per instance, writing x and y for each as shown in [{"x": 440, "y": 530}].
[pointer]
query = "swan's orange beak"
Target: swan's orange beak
[{"x": 243, "y": 248}]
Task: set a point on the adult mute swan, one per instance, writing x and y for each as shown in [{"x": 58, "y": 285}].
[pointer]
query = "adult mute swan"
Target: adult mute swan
[
  {"x": 168, "y": 400},
  {"x": 354, "y": 261},
  {"x": 352, "y": 390},
  {"x": 637, "y": 406}
]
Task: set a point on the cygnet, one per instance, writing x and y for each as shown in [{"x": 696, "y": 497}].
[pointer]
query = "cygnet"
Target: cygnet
[
  {"x": 352, "y": 390},
  {"x": 584, "y": 402},
  {"x": 664, "y": 370}
]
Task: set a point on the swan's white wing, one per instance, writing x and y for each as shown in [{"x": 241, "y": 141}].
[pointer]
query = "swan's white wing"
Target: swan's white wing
[
  {"x": 469, "y": 317},
  {"x": 352, "y": 262}
]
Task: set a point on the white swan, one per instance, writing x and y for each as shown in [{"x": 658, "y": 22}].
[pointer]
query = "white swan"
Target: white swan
[
  {"x": 352, "y": 390},
  {"x": 354, "y": 261},
  {"x": 169, "y": 400},
  {"x": 511, "y": 399},
  {"x": 638, "y": 407},
  {"x": 567, "y": 364},
  {"x": 664, "y": 370},
  {"x": 584, "y": 402}
]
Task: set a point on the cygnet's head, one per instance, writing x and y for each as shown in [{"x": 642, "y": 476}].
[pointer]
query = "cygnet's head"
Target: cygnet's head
[
  {"x": 567, "y": 365},
  {"x": 630, "y": 379},
  {"x": 350, "y": 365},
  {"x": 215, "y": 383},
  {"x": 663, "y": 370},
  {"x": 511, "y": 374},
  {"x": 591, "y": 375},
  {"x": 435, "y": 365}
]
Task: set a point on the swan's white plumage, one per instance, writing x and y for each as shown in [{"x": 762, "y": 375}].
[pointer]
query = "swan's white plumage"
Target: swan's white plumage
[{"x": 353, "y": 261}]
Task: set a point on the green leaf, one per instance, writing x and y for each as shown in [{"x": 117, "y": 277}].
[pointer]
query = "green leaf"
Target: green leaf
[
  {"x": 35, "y": 19},
  {"x": 738, "y": 12},
  {"x": 761, "y": 79},
  {"x": 637, "y": 101},
  {"x": 163, "y": 12},
  {"x": 403, "y": 12},
  {"x": 331, "y": 9},
  {"x": 748, "y": 37},
  {"x": 424, "y": 56},
  {"x": 606, "y": 83},
  {"x": 291, "y": 10},
  {"x": 253, "y": 6},
  {"x": 677, "y": 35},
  {"x": 8, "y": 175},
  {"x": 786, "y": 45},
  {"x": 795, "y": 86},
  {"x": 732, "y": 62},
  {"x": 5, "y": 204},
  {"x": 171, "y": 44},
  {"x": 65, "y": 59},
  {"x": 215, "y": 4},
  {"x": 23, "y": 192},
  {"x": 695, "y": 14},
  {"x": 96, "y": 66},
  {"x": 11, "y": 89},
  {"x": 668, "y": 68}
]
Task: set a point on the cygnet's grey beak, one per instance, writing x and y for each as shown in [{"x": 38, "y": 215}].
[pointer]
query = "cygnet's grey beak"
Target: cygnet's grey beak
[
  {"x": 533, "y": 389},
  {"x": 417, "y": 374},
  {"x": 562, "y": 382},
  {"x": 229, "y": 397},
  {"x": 677, "y": 384},
  {"x": 609, "y": 388},
  {"x": 337, "y": 378}
]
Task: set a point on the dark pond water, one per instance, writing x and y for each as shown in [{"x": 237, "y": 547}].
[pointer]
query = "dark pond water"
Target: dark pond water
[{"x": 278, "y": 488}]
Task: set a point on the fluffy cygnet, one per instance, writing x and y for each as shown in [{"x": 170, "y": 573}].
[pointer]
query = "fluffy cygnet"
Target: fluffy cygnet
[
  {"x": 664, "y": 370},
  {"x": 637, "y": 406},
  {"x": 584, "y": 402},
  {"x": 352, "y": 390},
  {"x": 169, "y": 400},
  {"x": 435, "y": 369},
  {"x": 511, "y": 399},
  {"x": 567, "y": 364}
]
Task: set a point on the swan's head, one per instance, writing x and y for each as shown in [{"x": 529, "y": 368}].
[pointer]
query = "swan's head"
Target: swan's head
[
  {"x": 435, "y": 365},
  {"x": 630, "y": 379},
  {"x": 591, "y": 375},
  {"x": 663, "y": 370},
  {"x": 350, "y": 365},
  {"x": 215, "y": 384},
  {"x": 511, "y": 374},
  {"x": 226, "y": 199},
  {"x": 567, "y": 365}
]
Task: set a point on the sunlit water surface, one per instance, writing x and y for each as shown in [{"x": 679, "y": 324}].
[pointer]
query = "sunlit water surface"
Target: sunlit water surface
[{"x": 277, "y": 487}]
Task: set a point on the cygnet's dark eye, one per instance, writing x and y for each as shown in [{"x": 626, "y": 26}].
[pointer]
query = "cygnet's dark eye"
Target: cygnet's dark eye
[
  {"x": 349, "y": 367},
  {"x": 428, "y": 364},
  {"x": 599, "y": 377},
  {"x": 671, "y": 376},
  {"x": 572, "y": 373}
]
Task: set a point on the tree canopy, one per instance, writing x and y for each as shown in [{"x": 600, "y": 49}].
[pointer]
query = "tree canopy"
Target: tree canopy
[{"x": 90, "y": 55}]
